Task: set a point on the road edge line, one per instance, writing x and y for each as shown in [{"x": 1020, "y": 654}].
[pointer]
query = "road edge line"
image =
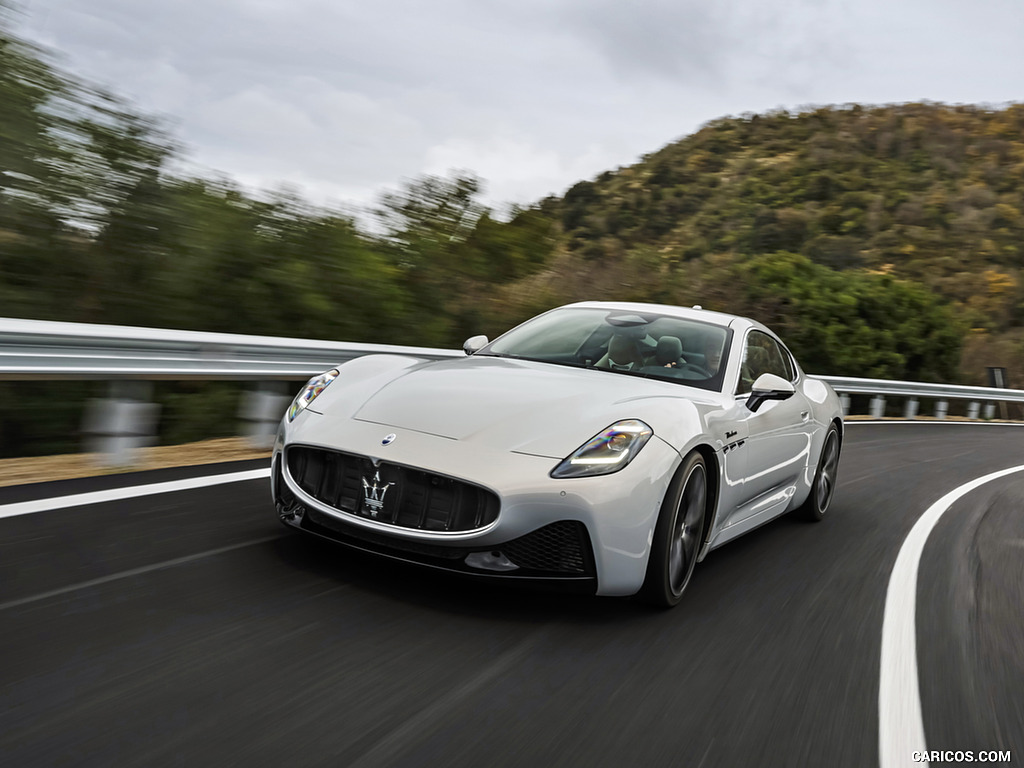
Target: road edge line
[
  {"x": 128, "y": 492},
  {"x": 900, "y": 721}
]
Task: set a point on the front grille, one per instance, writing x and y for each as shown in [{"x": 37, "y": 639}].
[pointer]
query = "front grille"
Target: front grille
[
  {"x": 561, "y": 547},
  {"x": 389, "y": 493}
]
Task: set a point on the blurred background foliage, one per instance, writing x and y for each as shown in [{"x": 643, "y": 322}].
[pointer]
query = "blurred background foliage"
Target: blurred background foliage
[{"x": 879, "y": 241}]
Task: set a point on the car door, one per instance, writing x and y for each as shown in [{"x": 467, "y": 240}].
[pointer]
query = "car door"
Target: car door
[{"x": 778, "y": 433}]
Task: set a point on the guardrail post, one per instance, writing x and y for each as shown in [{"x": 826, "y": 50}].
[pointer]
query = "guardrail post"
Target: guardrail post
[
  {"x": 972, "y": 410},
  {"x": 990, "y": 411},
  {"x": 878, "y": 406},
  {"x": 910, "y": 409},
  {"x": 941, "y": 408},
  {"x": 844, "y": 403},
  {"x": 261, "y": 409},
  {"x": 117, "y": 427}
]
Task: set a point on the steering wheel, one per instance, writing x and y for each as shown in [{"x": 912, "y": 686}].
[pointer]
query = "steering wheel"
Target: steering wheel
[{"x": 694, "y": 368}]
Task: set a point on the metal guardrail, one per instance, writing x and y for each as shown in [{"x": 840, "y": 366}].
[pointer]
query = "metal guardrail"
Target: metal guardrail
[
  {"x": 37, "y": 349},
  {"x": 912, "y": 391},
  {"x": 855, "y": 386},
  {"x": 117, "y": 426}
]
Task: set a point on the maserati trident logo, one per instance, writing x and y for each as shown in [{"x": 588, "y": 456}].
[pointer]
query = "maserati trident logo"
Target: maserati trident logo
[
  {"x": 373, "y": 495},
  {"x": 388, "y": 439}
]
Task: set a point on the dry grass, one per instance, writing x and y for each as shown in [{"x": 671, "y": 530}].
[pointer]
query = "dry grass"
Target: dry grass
[{"x": 65, "y": 467}]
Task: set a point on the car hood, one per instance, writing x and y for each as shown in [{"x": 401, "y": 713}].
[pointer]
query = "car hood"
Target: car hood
[{"x": 518, "y": 405}]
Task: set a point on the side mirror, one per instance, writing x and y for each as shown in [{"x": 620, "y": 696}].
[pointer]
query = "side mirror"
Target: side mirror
[
  {"x": 769, "y": 387},
  {"x": 474, "y": 344}
]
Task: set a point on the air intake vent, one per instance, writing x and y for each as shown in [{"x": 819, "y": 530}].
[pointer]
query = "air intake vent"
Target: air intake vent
[{"x": 561, "y": 547}]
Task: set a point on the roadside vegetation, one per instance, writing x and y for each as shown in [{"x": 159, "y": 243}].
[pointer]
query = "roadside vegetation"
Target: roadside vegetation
[{"x": 881, "y": 241}]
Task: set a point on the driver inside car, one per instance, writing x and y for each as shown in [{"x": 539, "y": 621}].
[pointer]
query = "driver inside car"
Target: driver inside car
[{"x": 712, "y": 354}]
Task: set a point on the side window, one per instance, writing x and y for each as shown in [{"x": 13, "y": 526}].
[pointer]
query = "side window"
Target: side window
[{"x": 762, "y": 354}]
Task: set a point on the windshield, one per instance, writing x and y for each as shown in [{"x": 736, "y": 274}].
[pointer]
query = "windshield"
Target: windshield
[{"x": 633, "y": 343}]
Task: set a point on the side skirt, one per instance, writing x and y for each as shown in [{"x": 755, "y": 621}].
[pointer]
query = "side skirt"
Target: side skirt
[{"x": 768, "y": 507}]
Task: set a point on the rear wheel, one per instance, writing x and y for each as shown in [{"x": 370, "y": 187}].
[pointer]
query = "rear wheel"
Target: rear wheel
[
  {"x": 824, "y": 485},
  {"x": 677, "y": 537}
]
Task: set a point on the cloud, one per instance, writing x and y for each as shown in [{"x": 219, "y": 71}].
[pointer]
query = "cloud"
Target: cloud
[
  {"x": 344, "y": 98},
  {"x": 675, "y": 39},
  {"x": 513, "y": 168}
]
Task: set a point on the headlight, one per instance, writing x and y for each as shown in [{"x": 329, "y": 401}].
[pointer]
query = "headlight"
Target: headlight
[
  {"x": 606, "y": 452},
  {"x": 313, "y": 387}
]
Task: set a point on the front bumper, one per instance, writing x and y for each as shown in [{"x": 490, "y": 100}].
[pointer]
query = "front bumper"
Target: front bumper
[
  {"x": 557, "y": 556},
  {"x": 601, "y": 526}
]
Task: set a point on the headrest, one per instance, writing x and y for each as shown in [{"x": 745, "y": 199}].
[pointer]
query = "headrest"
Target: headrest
[{"x": 669, "y": 350}]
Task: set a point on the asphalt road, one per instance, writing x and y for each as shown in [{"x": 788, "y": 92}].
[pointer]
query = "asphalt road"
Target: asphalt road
[{"x": 191, "y": 629}]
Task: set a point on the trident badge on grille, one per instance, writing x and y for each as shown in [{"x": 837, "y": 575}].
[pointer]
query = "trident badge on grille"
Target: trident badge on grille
[{"x": 373, "y": 495}]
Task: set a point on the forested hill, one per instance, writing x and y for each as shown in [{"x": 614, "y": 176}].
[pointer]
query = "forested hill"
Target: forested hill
[
  {"x": 924, "y": 193},
  {"x": 879, "y": 241}
]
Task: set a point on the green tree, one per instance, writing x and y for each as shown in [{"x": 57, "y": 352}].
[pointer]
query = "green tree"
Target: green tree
[
  {"x": 450, "y": 252},
  {"x": 852, "y": 324}
]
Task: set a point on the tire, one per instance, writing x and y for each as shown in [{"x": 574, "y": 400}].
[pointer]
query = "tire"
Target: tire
[
  {"x": 824, "y": 485},
  {"x": 678, "y": 534}
]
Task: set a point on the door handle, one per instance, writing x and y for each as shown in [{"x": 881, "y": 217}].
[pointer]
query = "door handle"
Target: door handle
[{"x": 805, "y": 415}]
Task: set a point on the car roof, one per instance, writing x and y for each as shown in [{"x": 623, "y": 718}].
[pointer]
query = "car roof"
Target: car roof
[{"x": 689, "y": 313}]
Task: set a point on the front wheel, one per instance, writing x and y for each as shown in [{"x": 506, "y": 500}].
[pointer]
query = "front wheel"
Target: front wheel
[
  {"x": 677, "y": 536},
  {"x": 824, "y": 485}
]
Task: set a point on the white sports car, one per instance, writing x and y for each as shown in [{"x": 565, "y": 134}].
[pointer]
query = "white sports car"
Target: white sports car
[{"x": 602, "y": 446}]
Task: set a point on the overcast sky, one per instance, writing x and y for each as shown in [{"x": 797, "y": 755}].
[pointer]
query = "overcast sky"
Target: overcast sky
[{"x": 344, "y": 99}]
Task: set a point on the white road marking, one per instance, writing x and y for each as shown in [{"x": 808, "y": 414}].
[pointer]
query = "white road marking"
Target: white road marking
[
  {"x": 135, "y": 572},
  {"x": 900, "y": 725},
  {"x": 116, "y": 494}
]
